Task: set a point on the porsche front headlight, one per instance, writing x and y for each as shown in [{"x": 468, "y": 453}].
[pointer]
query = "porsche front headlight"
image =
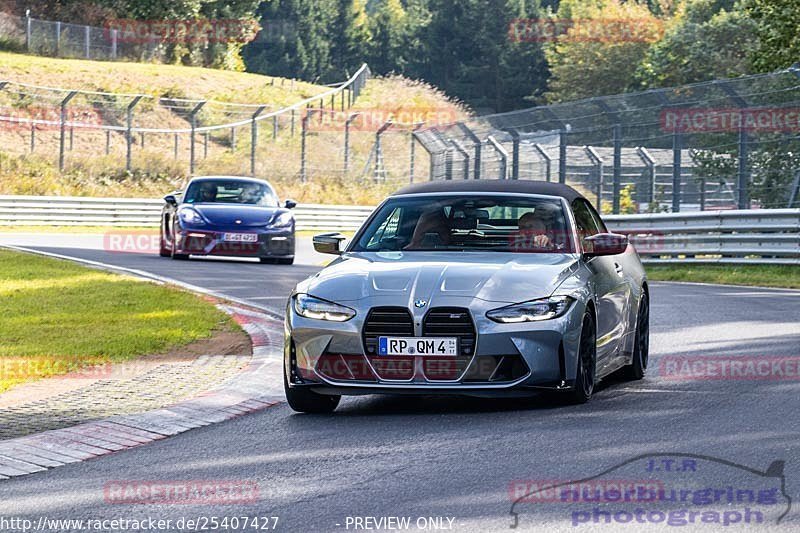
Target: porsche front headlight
[
  {"x": 319, "y": 309},
  {"x": 190, "y": 216},
  {"x": 282, "y": 220},
  {"x": 531, "y": 311}
]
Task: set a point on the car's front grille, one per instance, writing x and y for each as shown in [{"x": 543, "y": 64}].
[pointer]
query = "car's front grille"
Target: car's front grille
[
  {"x": 449, "y": 322},
  {"x": 388, "y": 322}
]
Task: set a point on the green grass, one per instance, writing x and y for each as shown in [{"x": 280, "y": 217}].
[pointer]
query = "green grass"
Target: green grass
[
  {"x": 787, "y": 276},
  {"x": 59, "y": 317}
]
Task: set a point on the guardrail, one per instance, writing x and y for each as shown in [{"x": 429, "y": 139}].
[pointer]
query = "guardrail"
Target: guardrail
[{"x": 746, "y": 236}]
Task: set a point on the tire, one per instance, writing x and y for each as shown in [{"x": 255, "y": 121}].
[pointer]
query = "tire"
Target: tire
[
  {"x": 277, "y": 260},
  {"x": 179, "y": 257},
  {"x": 286, "y": 261},
  {"x": 308, "y": 401},
  {"x": 586, "y": 364},
  {"x": 641, "y": 346},
  {"x": 163, "y": 251}
]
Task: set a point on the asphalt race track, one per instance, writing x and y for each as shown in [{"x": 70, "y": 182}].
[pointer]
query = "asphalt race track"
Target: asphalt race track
[{"x": 455, "y": 457}]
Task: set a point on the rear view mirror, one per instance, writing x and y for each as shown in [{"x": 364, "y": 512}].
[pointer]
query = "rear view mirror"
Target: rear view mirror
[
  {"x": 605, "y": 244},
  {"x": 170, "y": 199},
  {"x": 329, "y": 243},
  {"x": 290, "y": 204}
]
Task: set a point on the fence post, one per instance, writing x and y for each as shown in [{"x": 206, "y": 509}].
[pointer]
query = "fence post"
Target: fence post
[
  {"x": 62, "y": 128},
  {"x": 233, "y": 139},
  {"x": 465, "y": 154},
  {"x": 514, "y": 153},
  {"x": 28, "y": 30},
  {"x": 87, "y": 37},
  {"x": 275, "y": 127},
  {"x": 193, "y": 125},
  {"x": 205, "y": 145},
  {"x": 742, "y": 170},
  {"x": 380, "y": 170},
  {"x": 677, "y": 143},
  {"x": 562, "y": 156},
  {"x": 617, "y": 168},
  {"x": 113, "y": 44},
  {"x": 548, "y": 161},
  {"x": 254, "y": 139},
  {"x": 413, "y": 149},
  {"x": 503, "y": 156},
  {"x": 597, "y": 161},
  {"x": 58, "y": 38},
  {"x": 303, "y": 131},
  {"x": 347, "y": 123},
  {"x": 128, "y": 128},
  {"x": 33, "y": 137},
  {"x": 141, "y": 140},
  {"x": 108, "y": 142},
  {"x": 292, "y": 127},
  {"x": 650, "y": 163},
  {"x": 176, "y": 147},
  {"x": 71, "y": 137}
]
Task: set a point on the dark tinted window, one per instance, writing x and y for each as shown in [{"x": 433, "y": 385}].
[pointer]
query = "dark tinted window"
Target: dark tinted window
[
  {"x": 586, "y": 219},
  {"x": 230, "y": 192}
]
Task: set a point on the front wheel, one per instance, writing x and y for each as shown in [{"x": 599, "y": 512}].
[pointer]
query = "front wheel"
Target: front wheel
[
  {"x": 586, "y": 364},
  {"x": 308, "y": 401},
  {"x": 163, "y": 249},
  {"x": 641, "y": 348}
]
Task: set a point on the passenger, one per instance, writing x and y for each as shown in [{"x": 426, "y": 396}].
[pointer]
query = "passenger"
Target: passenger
[{"x": 429, "y": 222}]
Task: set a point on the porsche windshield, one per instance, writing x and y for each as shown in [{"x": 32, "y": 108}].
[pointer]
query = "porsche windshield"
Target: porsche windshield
[
  {"x": 526, "y": 224},
  {"x": 231, "y": 192}
]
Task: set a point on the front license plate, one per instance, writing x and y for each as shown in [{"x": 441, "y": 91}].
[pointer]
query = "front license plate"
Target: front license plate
[
  {"x": 418, "y": 346},
  {"x": 240, "y": 237}
]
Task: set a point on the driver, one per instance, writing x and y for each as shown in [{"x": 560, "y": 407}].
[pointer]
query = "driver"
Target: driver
[
  {"x": 251, "y": 194},
  {"x": 208, "y": 192},
  {"x": 433, "y": 221},
  {"x": 533, "y": 227}
]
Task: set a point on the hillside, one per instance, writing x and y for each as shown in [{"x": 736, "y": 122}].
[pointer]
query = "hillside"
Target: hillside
[{"x": 155, "y": 167}]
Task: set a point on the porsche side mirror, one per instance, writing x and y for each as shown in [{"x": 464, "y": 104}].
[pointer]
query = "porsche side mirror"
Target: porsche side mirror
[
  {"x": 329, "y": 243},
  {"x": 290, "y": 204},
  {"x": 605, "y": 244},
  {"x": 170, "y": 199}
]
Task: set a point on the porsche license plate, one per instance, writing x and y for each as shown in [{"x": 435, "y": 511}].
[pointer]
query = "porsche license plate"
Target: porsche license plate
[
  {"x": 240, "y": 237},
  {"x": 418, "y": 346}
]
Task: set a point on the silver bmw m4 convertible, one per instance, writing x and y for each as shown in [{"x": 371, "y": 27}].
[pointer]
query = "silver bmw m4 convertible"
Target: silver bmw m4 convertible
[{"x": 481, "y": 288}]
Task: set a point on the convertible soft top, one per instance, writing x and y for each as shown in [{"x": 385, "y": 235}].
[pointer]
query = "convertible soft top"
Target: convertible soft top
[{"x": 489, "y": 186}]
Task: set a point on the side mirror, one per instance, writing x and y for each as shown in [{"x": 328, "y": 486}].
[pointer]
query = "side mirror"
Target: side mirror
[
  {"x": 605, "y": 244},
  {"x": 170, "y": 199},
  {"x": 329, "y": 243},
  {"x": 290, "y": 204}
]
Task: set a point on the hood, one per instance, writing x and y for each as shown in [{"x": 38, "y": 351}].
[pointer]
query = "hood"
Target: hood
[
  {"x": 491, "y": 276},
  {"x": 228, "y": 214}
]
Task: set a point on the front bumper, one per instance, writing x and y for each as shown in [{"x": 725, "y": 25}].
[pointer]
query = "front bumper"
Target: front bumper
[
  {"x": 278, "y": 243},
  {"x": 507, "y": 359}
]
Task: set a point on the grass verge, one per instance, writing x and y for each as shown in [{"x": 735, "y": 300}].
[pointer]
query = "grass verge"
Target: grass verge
[
  {"x": 785, "y": 276},
  {"x": 58, "y": 317}
]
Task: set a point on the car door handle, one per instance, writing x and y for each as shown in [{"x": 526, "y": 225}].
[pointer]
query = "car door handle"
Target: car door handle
[{"x": 618, "y": 268}]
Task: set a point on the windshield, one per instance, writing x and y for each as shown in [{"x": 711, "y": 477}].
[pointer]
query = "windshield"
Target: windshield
[
  {"x": 456, "y": 223},
  {"x": 231, "y": 192}
]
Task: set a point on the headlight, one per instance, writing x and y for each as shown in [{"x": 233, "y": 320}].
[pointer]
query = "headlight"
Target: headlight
[
  {"x": 282, "y": 220},
  {"x": 532, "y": 311},
  {"x": 310, "y": 307},
  {"x": 190, "y": 216}
]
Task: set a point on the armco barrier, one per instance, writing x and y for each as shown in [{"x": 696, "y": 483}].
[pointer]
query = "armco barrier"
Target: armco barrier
[{"x": 747, "y": 236}]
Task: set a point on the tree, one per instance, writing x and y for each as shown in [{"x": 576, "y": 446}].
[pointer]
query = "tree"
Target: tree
[
  {"x": 708, "y": 39},
  {"x": 600, "y": 53},
  {"x": 776, "y": 27},
  {"x": 388, "y": 27},
  {"x": 349, "y": 36}
]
